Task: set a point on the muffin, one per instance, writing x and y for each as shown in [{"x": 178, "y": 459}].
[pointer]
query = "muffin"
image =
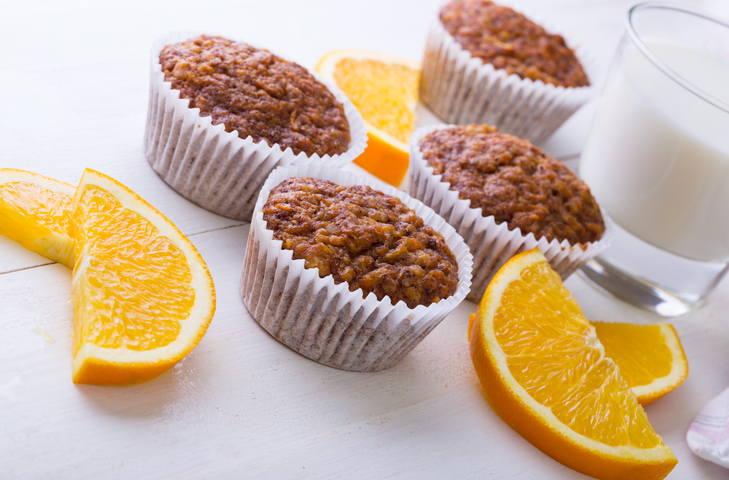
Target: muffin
[
  {"x": 504, "y": 195},
  {"x": 509, "y": 41},
  {"x": 366, "y": 238},
  {"x": 224, "y": 114},
  {"x": 485, "y": 63},
  {"x": 348, "y": 271}
]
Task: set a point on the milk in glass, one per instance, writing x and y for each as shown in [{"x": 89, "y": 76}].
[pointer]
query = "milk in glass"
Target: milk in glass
[{"x": 658, "y": 158}]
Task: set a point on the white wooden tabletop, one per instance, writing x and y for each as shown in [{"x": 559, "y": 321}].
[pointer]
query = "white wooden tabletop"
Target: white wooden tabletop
[{"x": 73, "y": 93}]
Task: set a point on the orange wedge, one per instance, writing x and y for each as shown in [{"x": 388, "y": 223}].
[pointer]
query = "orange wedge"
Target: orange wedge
[
  {"x": 35, "y": 211},
  {"x": 385, "y": 91},
  {"x": 546, "y": 374},
  {"x": 650, "y": 357},
  {"x": 142, "y": 294}
]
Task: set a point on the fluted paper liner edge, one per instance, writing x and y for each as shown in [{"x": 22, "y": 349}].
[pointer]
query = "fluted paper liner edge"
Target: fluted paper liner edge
[
  {"x": 213, "y": 168},
  {"x": 491, "y": 244},
  {"x": 325, "y": 321}
]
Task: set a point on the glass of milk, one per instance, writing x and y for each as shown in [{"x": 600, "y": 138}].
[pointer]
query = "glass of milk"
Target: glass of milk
[{"x": 657, "y": 160}]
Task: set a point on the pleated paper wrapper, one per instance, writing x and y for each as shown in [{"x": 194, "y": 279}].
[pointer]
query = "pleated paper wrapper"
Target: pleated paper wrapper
[
  {"x": 211, "y": 167},
  {"x": 462, "y": 89},
  {"x": 325, "y": 321},
  {"x": 491, "y": 244}
]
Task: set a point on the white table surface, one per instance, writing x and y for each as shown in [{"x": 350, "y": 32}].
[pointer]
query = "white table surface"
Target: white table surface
[{"x": 73, "y": 93}]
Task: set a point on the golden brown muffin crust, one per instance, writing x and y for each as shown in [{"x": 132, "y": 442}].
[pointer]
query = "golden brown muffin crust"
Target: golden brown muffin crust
[
  {"x": 363, "y": 237},
  {"x": 514, "y": 181},
  {"x": 256, "y": 93},
  {"x": 510, "y": 41}
]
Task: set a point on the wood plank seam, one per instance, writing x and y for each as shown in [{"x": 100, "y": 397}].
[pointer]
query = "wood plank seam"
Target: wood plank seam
[
  {"x": 28, "y": 268},
  {"x": 243, "y": 224}
]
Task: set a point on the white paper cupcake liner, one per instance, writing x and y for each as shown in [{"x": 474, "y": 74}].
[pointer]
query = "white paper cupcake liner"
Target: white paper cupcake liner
[
  {"x": 462, "y": 89},
  {"x": 211, "y": 167},
  {"x": 325, "y": 321},
  {"x": 491, "y": 244}
]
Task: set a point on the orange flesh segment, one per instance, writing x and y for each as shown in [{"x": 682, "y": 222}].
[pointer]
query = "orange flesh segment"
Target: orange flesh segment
[
  {"x": 34, "y": 207},
  {"x": 384, "y": 93},
  {"x": 581, "y": 386},
  {"x": 136, "y": 287},
  {"x": 642, "y": 347}
]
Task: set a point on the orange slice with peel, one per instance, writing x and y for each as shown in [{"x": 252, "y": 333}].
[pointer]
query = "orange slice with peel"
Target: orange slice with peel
[
  {"x": 35, "y": 211},
  {"x": 546, "y": 374},
  {"x": 385, "y": 91},
  {"x": 650, "y": 357},
  {"x": 142, "y": 294}
]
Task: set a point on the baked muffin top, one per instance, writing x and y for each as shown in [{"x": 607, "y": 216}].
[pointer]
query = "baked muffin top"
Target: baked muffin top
[
  {"x": 510, "y": 41},
  {"x": 514, "y": 181},
  {"x": 256, "y": 93},
  {"x": 363, "y": 237}
]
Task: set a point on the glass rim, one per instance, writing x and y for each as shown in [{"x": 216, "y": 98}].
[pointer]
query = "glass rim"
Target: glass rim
[{"x": 672, "y": 74}]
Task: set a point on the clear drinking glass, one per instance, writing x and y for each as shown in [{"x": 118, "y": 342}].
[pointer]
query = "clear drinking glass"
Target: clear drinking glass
[{"x": 657, "y": 159}]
